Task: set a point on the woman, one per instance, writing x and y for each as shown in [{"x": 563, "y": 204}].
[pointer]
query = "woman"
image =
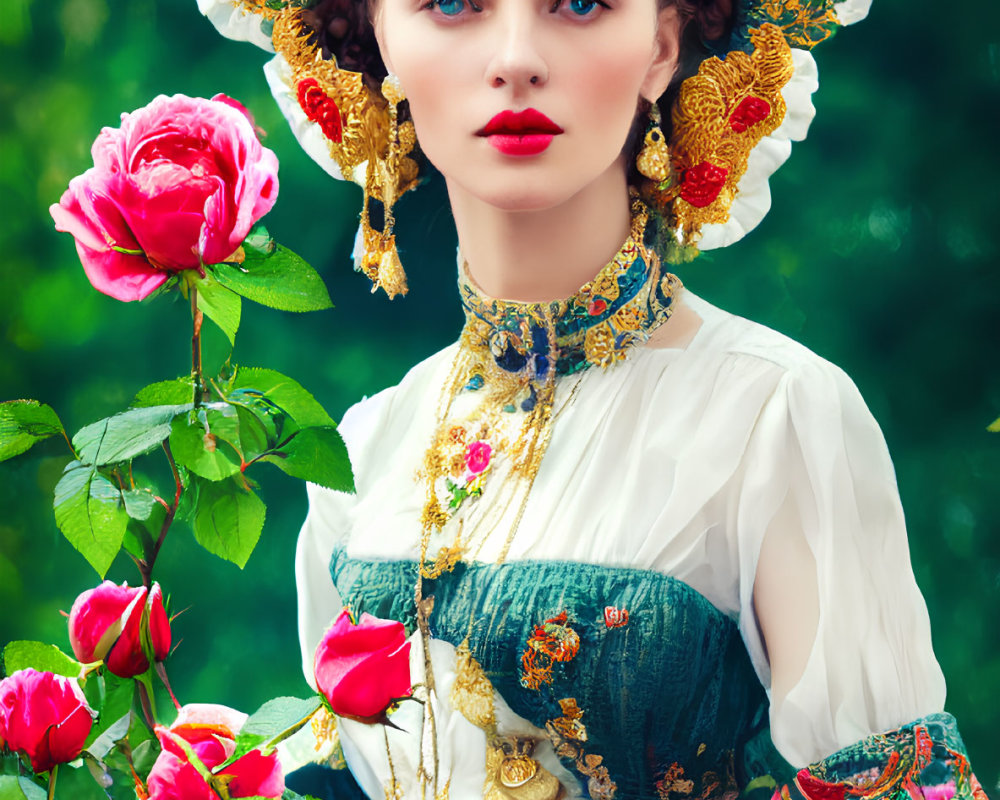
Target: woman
[{"x": 646, "y": 549}]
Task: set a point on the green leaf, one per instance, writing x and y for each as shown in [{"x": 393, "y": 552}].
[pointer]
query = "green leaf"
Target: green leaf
[
  {"x": 256, "y": 431},
  {"x": 201, "y": 451},
  {"x": 140, "y": 534},
  {"x": 15, "y": 788},
  {"x": 227, "y": 519},
  {"x": 279, "y": 717},
  {"x": 113, "y": 703},
  {"x": 259, "y": 240},
  {"x": 125, "y": 435},
  {"x": 144, "y": 755},
  {"x": 165, "y": 393},
  {"x": 285, "y": 393},
  {"x": 40, "y": 656},
  {"x": 288, "y": 794},
  {"x": 138, "y": 503},
  {"x": 994, "y": 427},
  {"x": 277, "y": 279},
  {"x": 220, "y": 305},
  {"x": 317, "y": 455},
  {"x": 110, "y": 736},
  {"x": 23, "y": 423},
  {"x": 90, "y": 514}
]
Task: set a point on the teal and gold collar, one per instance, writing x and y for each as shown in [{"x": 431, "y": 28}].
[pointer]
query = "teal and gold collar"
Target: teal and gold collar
[{"x": 609, "y": 316}]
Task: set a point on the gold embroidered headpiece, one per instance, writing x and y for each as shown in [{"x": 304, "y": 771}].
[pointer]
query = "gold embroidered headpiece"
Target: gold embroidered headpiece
[{"x": 732, "y": 123}]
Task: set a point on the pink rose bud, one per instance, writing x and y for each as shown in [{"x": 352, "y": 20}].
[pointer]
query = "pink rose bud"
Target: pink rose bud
[
  {"x": 105, "y": 624},
  {"x": 362, "y": 669},
  {"x": 44, "y": 716},
  {"x": 178, "y": 185},
  {"x": 210, "y": 731}
]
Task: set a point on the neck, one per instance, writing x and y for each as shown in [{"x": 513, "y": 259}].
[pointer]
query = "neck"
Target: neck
[{"x": 545, "y": 254}]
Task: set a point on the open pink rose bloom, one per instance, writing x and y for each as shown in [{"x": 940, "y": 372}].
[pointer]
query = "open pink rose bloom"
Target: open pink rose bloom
[
  {"x": 105, "y": 624},
  {"x": 210, "y": 730},
  {"x": 44, "y": 716},
  {"x": 182, "y": 180},
  {"x": 361, "y": 669}
]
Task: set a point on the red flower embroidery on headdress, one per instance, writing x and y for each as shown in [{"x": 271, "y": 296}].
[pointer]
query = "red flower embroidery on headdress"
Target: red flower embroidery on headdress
[
  {"x": 702, "y": 183},
  {"x": 320, "y": 108},
  {"x": 748, "y": 113}
]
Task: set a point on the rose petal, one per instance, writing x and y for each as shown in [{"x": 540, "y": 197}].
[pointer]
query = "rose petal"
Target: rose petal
[
  {"x": 345, "y": 645},
  {"x": 183, "y": 179},
  {"x": 256, "y": 775},
  {"x": 173, "y": 778},
  {"x": 370, "y": 687},
  {"x": 44, "y": 716},
  {"x": 159, "y": 625},
  {"x": 94, "y": 612},
  {"x": 126, "y": 658}
]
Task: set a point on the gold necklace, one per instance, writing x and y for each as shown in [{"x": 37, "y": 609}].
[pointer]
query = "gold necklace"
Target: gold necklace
[{"x": 509, "y": 358}]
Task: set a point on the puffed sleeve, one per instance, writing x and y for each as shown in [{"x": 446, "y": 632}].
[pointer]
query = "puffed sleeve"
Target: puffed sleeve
[
  {"x": 328, "y": 522},
  {"x": 830, "y": 610}
]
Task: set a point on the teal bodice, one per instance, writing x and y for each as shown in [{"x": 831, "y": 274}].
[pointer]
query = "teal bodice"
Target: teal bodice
[{"x": 633, "y": 666}]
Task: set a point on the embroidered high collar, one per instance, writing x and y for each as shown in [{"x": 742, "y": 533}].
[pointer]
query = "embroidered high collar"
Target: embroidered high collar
[{"x": 616, "y": 311}]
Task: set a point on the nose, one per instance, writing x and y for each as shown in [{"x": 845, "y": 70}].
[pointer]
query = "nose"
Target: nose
[{"x": 517, "y": 61}]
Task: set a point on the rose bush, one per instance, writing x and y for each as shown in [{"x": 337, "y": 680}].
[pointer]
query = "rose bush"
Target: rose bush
[
  {"x": 44, "y": 716},
  {"x": 178, "y": 185},
  {"x": 105, "y": 624},
  {"x": 210, "y": 731},
  {"x": 361, "y": 669}
]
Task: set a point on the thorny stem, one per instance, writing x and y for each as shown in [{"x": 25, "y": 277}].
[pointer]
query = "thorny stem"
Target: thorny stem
[
  {"x": 52, "y": 781},
  {"x": 147, "y": 708},
  {"x": 196, "y": 372},
  {"x": 161, "y": 671},
  {"x": 146, "y": 565}
]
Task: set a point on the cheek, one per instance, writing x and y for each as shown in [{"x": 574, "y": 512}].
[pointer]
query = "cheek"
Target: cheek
[
  {"x": 607, "y": 96},
  {"x": 426, "y": 72}
]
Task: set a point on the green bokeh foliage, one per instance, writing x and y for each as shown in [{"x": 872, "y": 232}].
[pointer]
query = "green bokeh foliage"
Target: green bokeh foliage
[{"x": 880, "y": 254}]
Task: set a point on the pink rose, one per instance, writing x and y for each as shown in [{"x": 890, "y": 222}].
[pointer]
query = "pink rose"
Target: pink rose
[
  {"x": 44, "y": 716},
  {"x": 362, "y": 669},
  {"x": 477, "y": 457},
  {"x": 210, "y": 731},
  {"x": 105, "y": 624},
  {"x": 182, "y": 180},
  {"x": 942, "y": 791}
]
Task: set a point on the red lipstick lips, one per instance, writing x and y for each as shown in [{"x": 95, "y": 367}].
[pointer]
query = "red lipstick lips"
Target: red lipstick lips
[{"x": 520, "y": 133}]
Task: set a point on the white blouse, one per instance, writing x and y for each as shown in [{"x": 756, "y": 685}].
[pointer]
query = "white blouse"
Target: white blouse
[{"x": 683, "y": 460}]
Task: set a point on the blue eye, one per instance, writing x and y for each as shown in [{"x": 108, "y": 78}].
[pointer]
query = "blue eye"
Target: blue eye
[
  {"x": 452, "y": 8},
  {"x": 582, "y": 7}
]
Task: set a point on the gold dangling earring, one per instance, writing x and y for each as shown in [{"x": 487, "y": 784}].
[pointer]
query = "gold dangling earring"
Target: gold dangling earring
[
  {"x": 653, "y": 160},
  {"x": 380, "y": 260}
]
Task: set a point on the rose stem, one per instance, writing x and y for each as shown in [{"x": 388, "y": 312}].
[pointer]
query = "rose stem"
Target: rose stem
[
  {"x": 147, "y": 707},
  {"x": 162, "y": 672},
  {"x": 52, "y": 781},
  {"x": 146, "y": 566},
  {"x": 196, "y": 373}
]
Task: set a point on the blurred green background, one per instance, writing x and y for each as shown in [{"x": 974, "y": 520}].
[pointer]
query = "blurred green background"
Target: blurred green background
[{"x": 879, "y": 254}]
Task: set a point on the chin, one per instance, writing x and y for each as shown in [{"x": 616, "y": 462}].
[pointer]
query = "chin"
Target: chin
[{"x": 523, "y": 192}]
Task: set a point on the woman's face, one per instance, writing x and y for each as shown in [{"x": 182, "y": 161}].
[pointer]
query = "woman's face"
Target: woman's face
[{"x": 583, "y": 64}]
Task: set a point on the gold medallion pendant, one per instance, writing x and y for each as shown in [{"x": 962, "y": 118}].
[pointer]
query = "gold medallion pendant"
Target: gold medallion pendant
[{"x": 513, "y": 774}]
